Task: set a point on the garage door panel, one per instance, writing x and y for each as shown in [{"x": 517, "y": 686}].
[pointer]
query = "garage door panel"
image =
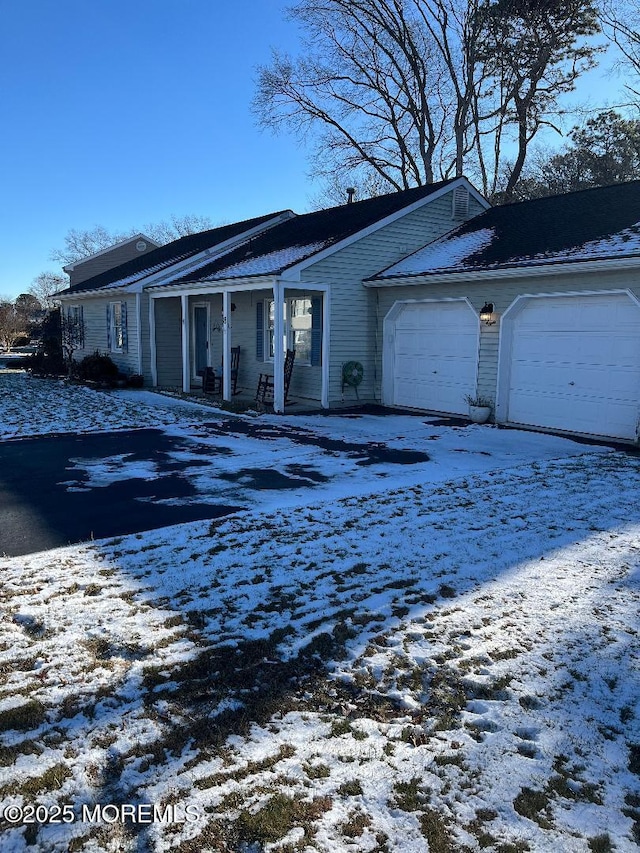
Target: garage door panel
[
  {"x": 435, "y": 353},
  {"x": 587, "y": 416},
  {"x": 576, "y": 365}
]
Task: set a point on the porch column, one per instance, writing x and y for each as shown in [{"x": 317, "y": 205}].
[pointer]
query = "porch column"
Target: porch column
[
  {"x": 326, "y": 337},
  {"x": 152, "y": 341},
  {"x": 278, "y": 352},
  {"x": 226, "y": 345},
  {"x": 186, "y": 367}
]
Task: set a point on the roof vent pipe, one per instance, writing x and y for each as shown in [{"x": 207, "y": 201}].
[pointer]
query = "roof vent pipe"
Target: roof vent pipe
[{"x": 351, "y": 191}]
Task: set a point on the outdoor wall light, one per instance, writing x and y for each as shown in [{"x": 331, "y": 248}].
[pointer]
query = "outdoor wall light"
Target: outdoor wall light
[{"x": 486, "y": 314}]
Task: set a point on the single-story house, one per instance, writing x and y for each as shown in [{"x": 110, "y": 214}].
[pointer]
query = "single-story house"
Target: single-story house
[
  {"x": 558, "y": 345},
  {"x": 281, "y": 277},
  {"x": 431, "y": 292}
]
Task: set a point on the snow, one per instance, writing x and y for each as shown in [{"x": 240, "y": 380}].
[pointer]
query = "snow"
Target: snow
[
  {"x": 406, "y": 656},
  {"x": 269, "y": 262},
  {"x": 455, "y": 253},
  {"x": 624, "y": 243},
  {"x": 446, "y": 253}
]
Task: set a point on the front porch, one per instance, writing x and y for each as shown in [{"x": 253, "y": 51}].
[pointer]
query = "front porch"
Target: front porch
[{"x": 196, "y": 327}]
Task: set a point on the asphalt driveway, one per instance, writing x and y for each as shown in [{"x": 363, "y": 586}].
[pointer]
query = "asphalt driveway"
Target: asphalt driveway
[{"x": 57, "y": 490}]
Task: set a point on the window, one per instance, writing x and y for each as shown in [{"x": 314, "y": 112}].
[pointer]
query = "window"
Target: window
[
  {"x": 117, "y": 326},
  {"x": 297, "y": 328}
]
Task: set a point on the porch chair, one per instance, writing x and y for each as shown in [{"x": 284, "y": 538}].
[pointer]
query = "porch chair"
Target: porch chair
[
  {"x": 264, "y": 394},
  {"x": 212, "y": 381}
]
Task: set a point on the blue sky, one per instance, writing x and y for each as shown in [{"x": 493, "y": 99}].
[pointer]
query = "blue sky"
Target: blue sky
[{"x": 123, "y": 113}]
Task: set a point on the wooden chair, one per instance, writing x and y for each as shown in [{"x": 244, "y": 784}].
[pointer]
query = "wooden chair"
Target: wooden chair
[
  {"x": 212, "y": 382},
  {"x": 264, "y": 394}
]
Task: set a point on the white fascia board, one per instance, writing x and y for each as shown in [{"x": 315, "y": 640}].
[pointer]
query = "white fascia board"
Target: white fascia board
[
  {"x": 293, "y": 273},
  {"x": 220, "y": 249},
  {"x": 201, "y": 288},
  {"x": 109, "y": 249},
  {"x": 90, "y": 294},
  {"x": 547, "y": 269}
]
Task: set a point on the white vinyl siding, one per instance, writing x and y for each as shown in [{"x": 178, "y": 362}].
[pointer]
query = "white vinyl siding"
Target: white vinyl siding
[{"x": 94, "y": 312}]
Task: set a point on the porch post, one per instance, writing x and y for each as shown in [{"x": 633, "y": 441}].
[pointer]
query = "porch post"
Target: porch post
[
  {"x": 152, "y": 341},
  {"x": 186, "y": 367},
  {"x": 226, "y": 345},
  {"x": 278, "y": 352},
  {"x": 139, "y": 330},
  {"x": 326, "y": 337}
]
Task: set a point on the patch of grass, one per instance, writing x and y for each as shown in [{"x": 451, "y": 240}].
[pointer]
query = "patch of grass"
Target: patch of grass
[
  {"x": 10, "y": 754},
  {"x": 252, "y": 767},
  {"x": 446, "y": 591},
  {"x": 444, "y": 760},
  {"x": 50, "y": 780},
  {"x": 351, "y": 788},
  {"x": 434, "y": 829},
  {"x": 92, "y": 589},
  {"x": 317, "y": 771},
  {"x": 356, "y": 825},
  {"x": 22, "y": 718},
  {"x": 408, "y": 797},
  {"x": 601, "y": 844},
  {"x": 530, "y": 803},
  {"x": 277, "y": 817},
  {"x": 340, "y": 727}
]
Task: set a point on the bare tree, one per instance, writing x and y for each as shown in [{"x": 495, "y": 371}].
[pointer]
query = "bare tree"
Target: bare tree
[
  {"x": 10, "y": 323},
  {"x": 71, "y": 334},
  {"x": 413, "y": 90},
  {"x": 80, "y": 244},
  {"x": 45, "y": 285},
  {"x": 621, "y": 23},
  {"x": 177, "y": 226}
]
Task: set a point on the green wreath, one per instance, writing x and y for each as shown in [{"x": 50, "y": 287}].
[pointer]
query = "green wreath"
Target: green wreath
[{"x": 352, "y": 373}]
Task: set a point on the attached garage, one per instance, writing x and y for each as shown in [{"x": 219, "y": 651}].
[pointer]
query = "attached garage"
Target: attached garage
[
  {"x": 430, "y": 358},
  {"x": 572, "y": 362}
]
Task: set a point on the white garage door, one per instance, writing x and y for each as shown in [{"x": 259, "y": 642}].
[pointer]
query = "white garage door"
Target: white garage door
[
  {"x": 575, "y": 365},
  {"x": 434, "y": 356}
]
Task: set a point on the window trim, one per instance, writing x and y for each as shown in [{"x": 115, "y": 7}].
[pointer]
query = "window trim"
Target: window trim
[
  {"x": 113, "y": 326},
  {"x": 289, "y": 332}
]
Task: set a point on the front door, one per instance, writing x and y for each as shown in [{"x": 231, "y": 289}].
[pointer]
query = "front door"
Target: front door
[{"x": 200, "y": 339}]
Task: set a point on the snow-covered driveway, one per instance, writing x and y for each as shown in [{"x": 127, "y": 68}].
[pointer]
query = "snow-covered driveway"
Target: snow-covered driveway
[{"x": 202, "y": 463}]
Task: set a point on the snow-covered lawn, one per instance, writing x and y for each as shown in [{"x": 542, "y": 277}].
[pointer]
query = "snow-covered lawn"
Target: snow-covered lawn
[{"x": 444, "y": 665}]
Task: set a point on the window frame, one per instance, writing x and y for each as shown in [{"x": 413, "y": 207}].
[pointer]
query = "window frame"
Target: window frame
[
  {"x": 289, "y": 338},
  {"x": 114, "y": 328}
]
